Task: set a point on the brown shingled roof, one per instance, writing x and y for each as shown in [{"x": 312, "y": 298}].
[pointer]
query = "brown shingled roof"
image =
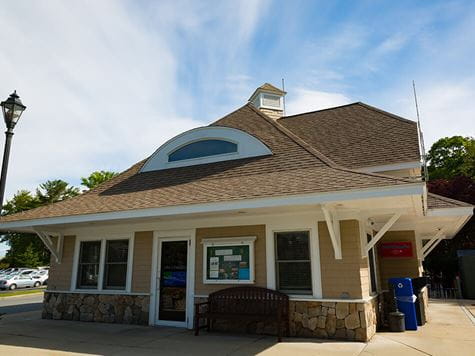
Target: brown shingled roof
[
  {"x": 293, "y": 168},
  {"x": 357, "y": 135},
  {"x": 268, "y": 88},
  {"x": 435, "y": 201}
]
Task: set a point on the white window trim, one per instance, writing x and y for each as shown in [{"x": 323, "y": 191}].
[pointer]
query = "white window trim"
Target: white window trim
[
  {"x": 248, "y": 146},
  {"x": 306, "y": 224},
  {"x": 100, "y": 279},
  {"x": 229, "y": 241},
  {"x": 261, "y": 101}
]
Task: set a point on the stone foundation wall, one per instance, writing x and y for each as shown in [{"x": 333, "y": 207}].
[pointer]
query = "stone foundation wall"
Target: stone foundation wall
[
  {"x": 107, "y": 308},
  {"x": 324, "y": 320},
  {"x": 339, "y": 320}
]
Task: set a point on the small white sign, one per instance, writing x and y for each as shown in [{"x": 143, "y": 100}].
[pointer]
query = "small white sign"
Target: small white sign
[
  {"x": 223, "y": 252},
  {"x": 213, "y": 274},
  {"x": 214, "y": 263},
  {"x": 233, "y": 258}
]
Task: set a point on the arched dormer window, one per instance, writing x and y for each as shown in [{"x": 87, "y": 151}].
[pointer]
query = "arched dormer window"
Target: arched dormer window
[
  {"x": 205, "y": 145},
  {"x": 203, "y": 148}
]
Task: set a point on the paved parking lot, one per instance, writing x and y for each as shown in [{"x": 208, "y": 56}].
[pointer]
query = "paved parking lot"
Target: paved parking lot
[{"x": 450, "y": 332}]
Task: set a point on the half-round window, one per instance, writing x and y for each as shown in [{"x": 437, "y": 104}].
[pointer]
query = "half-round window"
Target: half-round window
[{"x": 203, "y": 148}]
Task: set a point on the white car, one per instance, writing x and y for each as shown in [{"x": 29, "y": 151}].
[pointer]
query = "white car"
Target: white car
[
  {"x": 18, "y": 281},
  {"x": 41, "y": 276}
]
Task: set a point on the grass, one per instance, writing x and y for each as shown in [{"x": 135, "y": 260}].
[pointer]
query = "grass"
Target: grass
[{"x": 19, "y": 292}]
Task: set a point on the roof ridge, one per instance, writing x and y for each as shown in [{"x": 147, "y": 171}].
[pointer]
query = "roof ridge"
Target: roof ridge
[
  {"x": 297, "y": 139},
  {"x": 367, "y": 106},
  {"x": 319, "y": 110}
]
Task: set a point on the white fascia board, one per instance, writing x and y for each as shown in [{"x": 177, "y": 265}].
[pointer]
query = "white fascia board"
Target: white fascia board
[
  {"x": 459, "y": 211},
  {"x": 390, "y": 167},
  {"x": 307, "y": 199}
]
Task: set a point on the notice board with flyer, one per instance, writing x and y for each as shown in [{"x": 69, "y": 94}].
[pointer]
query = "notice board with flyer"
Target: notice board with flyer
[{"x": 228, "y": 263}]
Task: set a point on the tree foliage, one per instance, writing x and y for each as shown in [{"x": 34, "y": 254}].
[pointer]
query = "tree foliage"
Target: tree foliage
[
  {"x": 450, "y": 157},
  {"x": 452, "y": 174},
  {"x": 27, "y": 250},
  {"x": 96, "y": 178}
]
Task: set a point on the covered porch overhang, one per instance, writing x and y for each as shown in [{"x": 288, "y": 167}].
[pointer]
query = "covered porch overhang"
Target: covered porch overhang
[
  {"x": 363, "y": 205},
  {"x": 430, "y": 229}
]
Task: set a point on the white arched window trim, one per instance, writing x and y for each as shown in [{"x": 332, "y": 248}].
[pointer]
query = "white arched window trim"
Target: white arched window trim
[{"x": 247, "y": 146}]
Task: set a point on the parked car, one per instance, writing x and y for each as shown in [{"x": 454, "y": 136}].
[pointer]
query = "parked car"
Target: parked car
[
  {"x": 41, "y": 276},
  {"x": 18, "y": 281}
]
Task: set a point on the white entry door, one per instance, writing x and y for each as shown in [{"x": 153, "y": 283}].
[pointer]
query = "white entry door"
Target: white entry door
[{"x": 173, "y": 285}]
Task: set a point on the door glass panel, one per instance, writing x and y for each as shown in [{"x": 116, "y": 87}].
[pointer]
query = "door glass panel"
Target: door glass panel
[{"x": 173, "y": 280}]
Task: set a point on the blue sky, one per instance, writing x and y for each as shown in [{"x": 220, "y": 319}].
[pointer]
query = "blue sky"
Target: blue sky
[{"x": 106, "y": 82}]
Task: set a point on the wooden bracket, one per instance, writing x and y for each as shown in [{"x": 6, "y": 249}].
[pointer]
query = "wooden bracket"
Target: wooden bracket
[
  {"x": 56, "y": 251},
  {"x": 333, "y": 225},
  {"x": 438, "y": 238},
  {"x": 383, "y": 230}
]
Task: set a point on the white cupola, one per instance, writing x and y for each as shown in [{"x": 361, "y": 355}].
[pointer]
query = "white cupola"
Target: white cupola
[{"x": 269, "y": 100}]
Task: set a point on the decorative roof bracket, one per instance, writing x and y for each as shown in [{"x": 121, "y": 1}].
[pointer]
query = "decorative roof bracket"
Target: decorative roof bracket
[
  {"x": 333, "y": 225},
  {"x": 56, "y": 251},
  {"x": 382, "y": 231}
]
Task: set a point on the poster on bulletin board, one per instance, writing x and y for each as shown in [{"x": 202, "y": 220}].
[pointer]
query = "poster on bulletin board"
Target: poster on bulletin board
[{"x": 228, "y": 263}]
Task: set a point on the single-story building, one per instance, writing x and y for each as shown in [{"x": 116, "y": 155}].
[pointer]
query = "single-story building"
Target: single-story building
[{"x": 324, "y": 206}]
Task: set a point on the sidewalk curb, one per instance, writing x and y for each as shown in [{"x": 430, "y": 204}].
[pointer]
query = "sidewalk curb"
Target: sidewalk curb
[{"x": 21, "y": 295}]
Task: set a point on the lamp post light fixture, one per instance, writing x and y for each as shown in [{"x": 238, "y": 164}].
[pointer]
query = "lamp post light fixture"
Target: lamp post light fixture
[{"x": 12, "y": 109}]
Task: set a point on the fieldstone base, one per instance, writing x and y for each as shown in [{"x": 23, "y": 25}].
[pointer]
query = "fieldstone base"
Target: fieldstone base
[
  {"x": 341, "y": 320},
  {"x": 107, "y": 308},
  {"x": 354, "y": 321}
]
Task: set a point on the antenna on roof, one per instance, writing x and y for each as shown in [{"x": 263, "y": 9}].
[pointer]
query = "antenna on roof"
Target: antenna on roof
[
  {"x": 283, "y": 98},
  {"x": 425, "y": 175}
]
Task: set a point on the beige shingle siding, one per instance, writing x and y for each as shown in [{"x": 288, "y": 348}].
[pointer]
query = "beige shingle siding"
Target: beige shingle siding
[
  {"x": 260, "y": 268},
  {"x": 357, "y": 135},
  {"x": 348, "y": 275},
  {"x": 402, "y": 266},
  {"x": 143, "y": 247},
  {"x": 60, "y": 274}
]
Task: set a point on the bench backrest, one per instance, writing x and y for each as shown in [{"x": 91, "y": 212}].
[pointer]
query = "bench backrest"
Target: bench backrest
[{"x": 248, "y": 301}]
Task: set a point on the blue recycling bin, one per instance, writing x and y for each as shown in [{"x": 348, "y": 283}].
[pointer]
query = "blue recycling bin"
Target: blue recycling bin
[{"x": 405, "y": 300}]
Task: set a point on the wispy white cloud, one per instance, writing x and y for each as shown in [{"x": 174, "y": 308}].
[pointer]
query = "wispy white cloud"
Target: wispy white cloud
[{"x": 103, "y": 81}]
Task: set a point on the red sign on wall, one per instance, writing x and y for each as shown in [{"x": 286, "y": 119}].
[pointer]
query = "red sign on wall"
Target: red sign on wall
[{"x": 395, "y": 249}]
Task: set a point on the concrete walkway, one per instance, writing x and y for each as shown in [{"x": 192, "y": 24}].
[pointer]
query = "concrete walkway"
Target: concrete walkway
[{"x": 450, "y": 332}]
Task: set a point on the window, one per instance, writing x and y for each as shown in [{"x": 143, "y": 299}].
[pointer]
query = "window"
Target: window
[
  {"x": 115, "y": 269},
  {"x": 88, "y": 269},
  {"x": 203, "y": 148},
  {"x": 228, "y": 260},
  {"x": 271, "y": 100},
  {"x": 103, "y": 264},
  {"x": 293, "y": 268}
]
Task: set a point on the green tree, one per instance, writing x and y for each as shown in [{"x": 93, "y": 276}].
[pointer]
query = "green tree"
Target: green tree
[
  {"x": 53, "y": 191},
  {"x": 96, "y": 178},
  {"x": 450, "y": 157},
  {"x": 27, "y": 250}
]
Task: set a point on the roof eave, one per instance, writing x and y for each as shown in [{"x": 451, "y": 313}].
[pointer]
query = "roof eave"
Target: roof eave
[{"x": 268, "y": 202}]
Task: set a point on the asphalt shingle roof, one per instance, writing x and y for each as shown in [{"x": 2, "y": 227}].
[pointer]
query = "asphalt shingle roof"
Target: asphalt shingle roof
[
  {"x": 294, "y": 168},
  {"x": 357, "y": 135},
  {"x": 435, "y": 201}
]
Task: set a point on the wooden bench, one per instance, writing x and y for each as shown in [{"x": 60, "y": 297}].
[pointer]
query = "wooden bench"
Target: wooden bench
[{"x": 244, "y": 303}]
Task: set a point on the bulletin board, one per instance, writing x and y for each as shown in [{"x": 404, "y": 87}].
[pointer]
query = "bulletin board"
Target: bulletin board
[{"x": 229, "y": 263}]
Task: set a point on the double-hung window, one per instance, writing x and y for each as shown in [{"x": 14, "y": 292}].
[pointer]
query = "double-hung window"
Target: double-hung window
[
  {"x": 115, "y": 269},
  {"x": 88, "y": 268},
  {"x": 103, "y": 264},
  {"x": 293, "y": 266}
]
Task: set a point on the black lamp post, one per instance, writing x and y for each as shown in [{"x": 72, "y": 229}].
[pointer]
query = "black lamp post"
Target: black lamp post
[{"x": 12, "y": 110}]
